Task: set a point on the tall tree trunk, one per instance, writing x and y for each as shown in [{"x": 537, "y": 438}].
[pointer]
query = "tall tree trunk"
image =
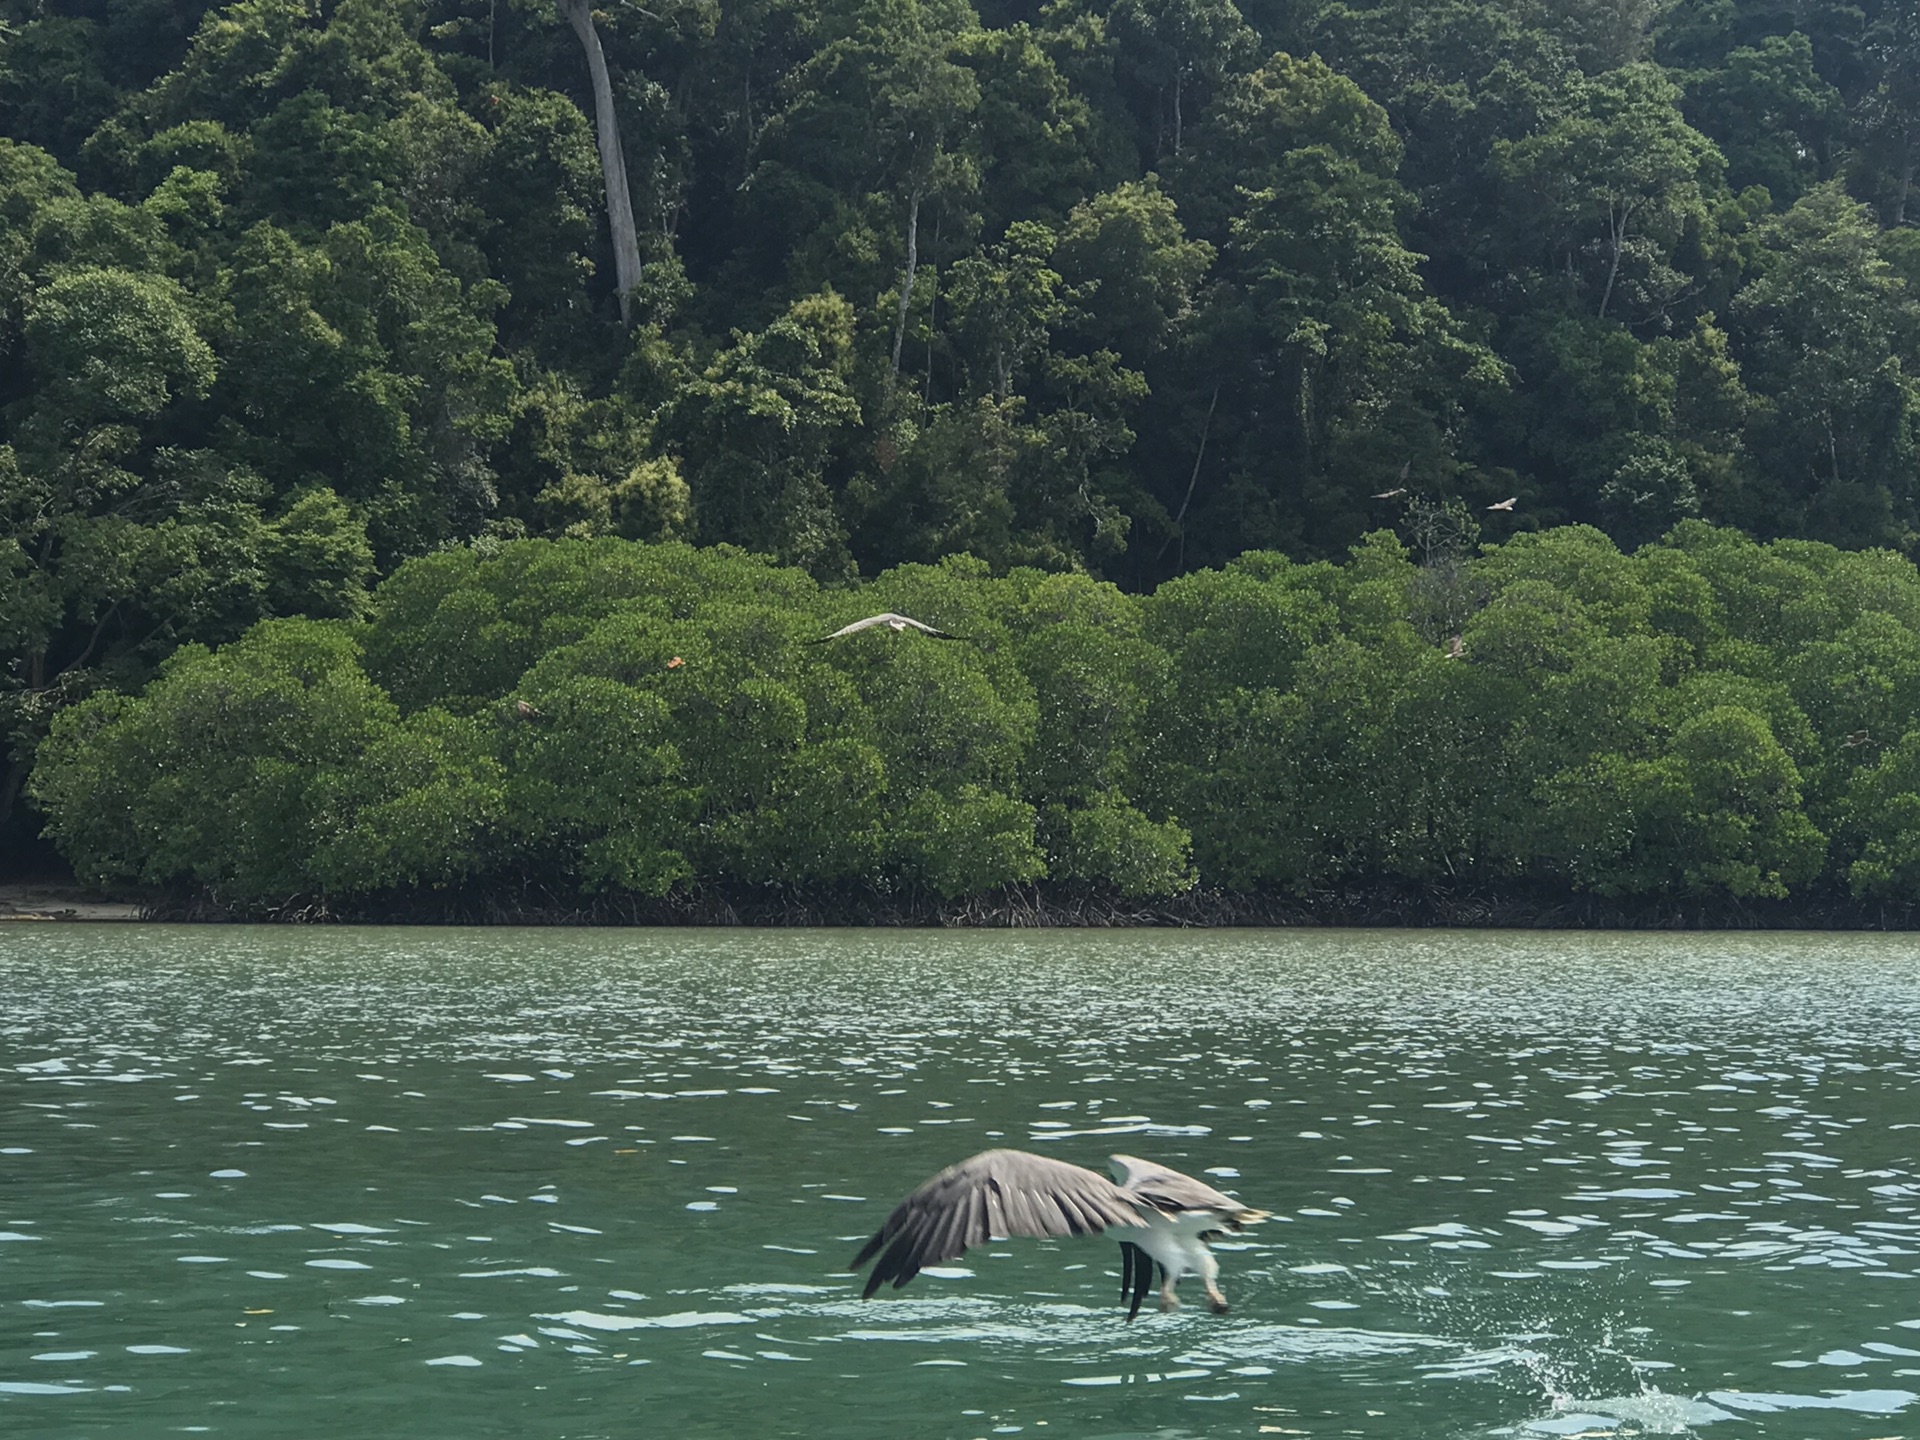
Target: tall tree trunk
[
  {"x": 1180, "y": 519},
  {"x": 906, "y": 285},
  {"x": 1617, "y": 220},
  {"x": 626, "y": 239},
  {"x": 746, "y": 118},
  {"x": 1176, "y": 113},
  {"x": 933, "y": 310}
]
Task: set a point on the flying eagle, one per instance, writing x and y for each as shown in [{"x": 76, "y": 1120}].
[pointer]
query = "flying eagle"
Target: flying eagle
[
  {"x": 1170, "y": 1218},
  {"x": 1506, "y": 504},
  {"x": 1400, "y": 489},
  {"x": 893, "y": 622}
]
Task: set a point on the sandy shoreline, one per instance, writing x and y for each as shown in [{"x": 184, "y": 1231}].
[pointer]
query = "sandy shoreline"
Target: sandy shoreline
[{"x": 31, "y": 900}]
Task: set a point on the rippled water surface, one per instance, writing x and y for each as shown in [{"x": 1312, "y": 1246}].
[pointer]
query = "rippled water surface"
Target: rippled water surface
[{"x": 276, "y": 1183}]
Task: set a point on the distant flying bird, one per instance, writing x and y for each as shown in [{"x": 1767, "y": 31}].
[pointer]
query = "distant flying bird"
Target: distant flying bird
[
  {"x": 1858, "y": 737},
  {"x": 1456, "y": 648},
  {"x": 893, "y": 622},
  {"x": 1169, "y": 1218},
  {"x": 1389, "y": 494},
  {"x": 1506, "y": 504},
  {"x": 525, "y": 710},
  {"x": 675, "y": 663}
]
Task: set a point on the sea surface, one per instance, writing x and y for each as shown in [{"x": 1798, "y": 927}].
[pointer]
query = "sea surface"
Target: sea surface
[{"x": 280, "y": 1182}]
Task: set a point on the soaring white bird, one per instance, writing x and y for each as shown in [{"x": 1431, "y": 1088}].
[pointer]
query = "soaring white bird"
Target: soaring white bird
[
  {"x": 1168, "y": 1217},
  {"x": 893, "y": 622}
]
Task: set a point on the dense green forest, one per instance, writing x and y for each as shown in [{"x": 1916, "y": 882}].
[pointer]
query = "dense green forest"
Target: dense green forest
[
  {"x": 297, "y": 297},
  {"x": 1707, "y": 717}
]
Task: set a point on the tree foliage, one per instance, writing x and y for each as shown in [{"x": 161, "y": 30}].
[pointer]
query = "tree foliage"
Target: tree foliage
[
  {"x": 293, "y": 295},
  {"x": 1705, "y": 718}
]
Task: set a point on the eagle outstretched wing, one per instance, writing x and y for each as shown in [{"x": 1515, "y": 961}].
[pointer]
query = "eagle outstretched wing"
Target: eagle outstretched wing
[
  {"x": 995, "y": 1193},
  {"x": 893, "y": 622}
]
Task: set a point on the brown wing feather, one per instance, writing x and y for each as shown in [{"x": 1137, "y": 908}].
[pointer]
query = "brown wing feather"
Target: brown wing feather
[{"x": 1010, "y": 1192}]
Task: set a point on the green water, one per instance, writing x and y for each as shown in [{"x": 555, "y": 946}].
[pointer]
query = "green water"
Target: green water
[{"x": 290, "y": 1183}]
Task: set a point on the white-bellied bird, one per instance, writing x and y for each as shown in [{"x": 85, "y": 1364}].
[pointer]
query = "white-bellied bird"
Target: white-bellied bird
[
  {"x": 891, "y": 621},
  {"x": 1167, "y": 1219}
]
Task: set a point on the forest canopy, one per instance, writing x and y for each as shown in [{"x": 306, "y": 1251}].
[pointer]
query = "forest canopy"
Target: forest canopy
[
  {"x": 1707, "y": 718},
  {"x": 299, "y": 298}
]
